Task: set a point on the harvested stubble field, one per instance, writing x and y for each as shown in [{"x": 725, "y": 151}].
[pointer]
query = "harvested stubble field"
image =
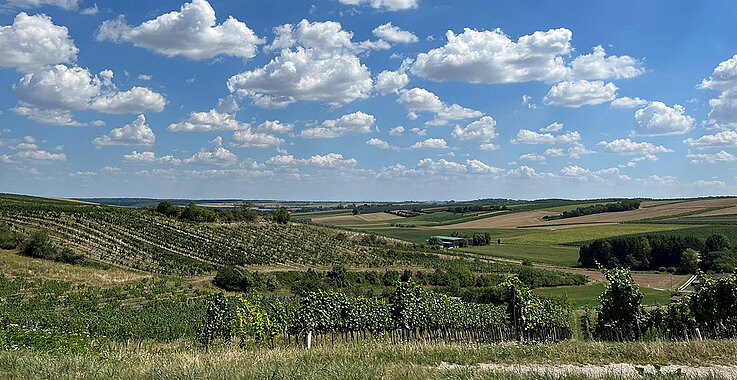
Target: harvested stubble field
[
  {"x": 534, "y": 218},
  {"x": 343, "y": 219}
]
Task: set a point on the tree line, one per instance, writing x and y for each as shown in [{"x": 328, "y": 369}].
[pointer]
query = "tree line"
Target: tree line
[
  {"x": 241, "y": 212},
  {"x": 661, "y": 252},
  {"x": 624, "y": 205}
]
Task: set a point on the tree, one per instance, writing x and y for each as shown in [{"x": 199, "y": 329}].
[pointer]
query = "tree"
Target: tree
[
  {"x": 228, "y": 278},
  {"x": 244, "y": 212},
  {"x": 434, "y": 241},
  {"x": 689, "y": 261},
  {"x": 281, "y": 215},
  {"x": 717, "y": 242},
  {"x": 168, "y": 209},
  {"x": 192, "y": 212}
]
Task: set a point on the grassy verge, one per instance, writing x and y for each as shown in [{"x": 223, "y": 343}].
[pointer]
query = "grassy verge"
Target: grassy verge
[{"x": 365, "y": 360}]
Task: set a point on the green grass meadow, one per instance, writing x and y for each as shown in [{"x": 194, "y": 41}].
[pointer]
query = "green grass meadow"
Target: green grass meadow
[{"x": 588, "y": 294}]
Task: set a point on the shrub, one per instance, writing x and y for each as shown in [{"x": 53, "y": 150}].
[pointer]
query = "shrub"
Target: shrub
[
  {"x": 228, "y": 278},
  {"x": 8, "y": 239},
  {"x": 620, "y": 314}
]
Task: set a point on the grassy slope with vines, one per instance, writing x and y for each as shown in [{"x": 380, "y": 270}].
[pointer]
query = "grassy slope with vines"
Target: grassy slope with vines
[{"x": 143, "y": 240}]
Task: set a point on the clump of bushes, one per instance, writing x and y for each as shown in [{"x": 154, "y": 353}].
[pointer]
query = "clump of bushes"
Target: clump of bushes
[
  {"x": 625, "y": 205},
  {"x": 39, "y": 245},
  {"x": 194, "y": 213},
  {"x": 8, "y": 238},
  {"x": 235, "y": 279}
]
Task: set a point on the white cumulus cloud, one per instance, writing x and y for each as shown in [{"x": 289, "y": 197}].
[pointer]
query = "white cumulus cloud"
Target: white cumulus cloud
[
  {"x": 247, "y": 139},
  {"x": 657, "y": 119},
  {"x": 598, "y": 66},
  {"x": 492, "y": 57},
  {"x": 525, "y": 136},
  {"x": 430, "y": 144},
  {"x": 552, "y": 127},
  {"x": 397, "y": 131},
  {"x": 627, "y": 102},
  {"x": 191, "y": 32},
  {"x": 724, "y": 139},
  {"x": 627, "y": 146},
  {"x": 34, "y": 41},
  {"x": 381, "y": 144},
  {"x": 481, "y": 130},
  {"x": 390, "y": 5},
  {"x": 580, "y": 93},
  {"x": 395, "y": 34},
  {"x": 60, "y": 87},
  {"x": 350, "y": 124},
  {"x": 721, "y": 156},
  {"x": 136, "y": 133},
  {"x": 323, "y": 66},
  {"x": 422, "y": 100}
]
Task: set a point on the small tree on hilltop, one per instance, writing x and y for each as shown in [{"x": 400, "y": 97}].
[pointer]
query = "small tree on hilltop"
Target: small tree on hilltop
[
  {"x": 281, "y": 215},
  {"x": 621, "y": 313}
]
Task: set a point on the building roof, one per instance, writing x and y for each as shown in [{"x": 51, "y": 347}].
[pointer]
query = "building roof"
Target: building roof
[{"x": 449, "y": 238}]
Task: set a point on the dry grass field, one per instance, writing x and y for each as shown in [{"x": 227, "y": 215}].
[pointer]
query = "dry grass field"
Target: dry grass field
[
  {"x": 12, "y": 264},
  {"x": 372, "y": 217}
]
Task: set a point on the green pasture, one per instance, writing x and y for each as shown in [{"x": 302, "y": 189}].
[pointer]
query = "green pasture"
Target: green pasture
[
  {"x": 588, "y": 294},
  {"x": 546, "y": 254},
  {"x": 588, "y": 233}
]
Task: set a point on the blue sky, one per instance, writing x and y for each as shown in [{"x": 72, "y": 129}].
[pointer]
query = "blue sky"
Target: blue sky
[{"x": 368, "y": 99}]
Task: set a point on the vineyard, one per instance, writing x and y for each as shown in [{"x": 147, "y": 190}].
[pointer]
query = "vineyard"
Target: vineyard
[
  {"x": 143, "y": 240},
  {"x": 77, "y": 317},
  {"x": 64, "y": 312}
]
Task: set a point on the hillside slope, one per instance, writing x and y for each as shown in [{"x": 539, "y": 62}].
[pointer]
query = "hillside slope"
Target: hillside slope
[{"x": 144, "y": 240}]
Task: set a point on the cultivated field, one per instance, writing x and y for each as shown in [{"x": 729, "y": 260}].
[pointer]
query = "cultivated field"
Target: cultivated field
[
  {"x": 347, "y": 219},
  {"x": 534, "y": 218}
]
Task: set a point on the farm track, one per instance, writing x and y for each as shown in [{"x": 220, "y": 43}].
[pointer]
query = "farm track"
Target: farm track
[{"x": 618, "y": 370}]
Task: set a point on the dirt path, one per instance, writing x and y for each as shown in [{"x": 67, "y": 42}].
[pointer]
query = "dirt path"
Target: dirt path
[{"x": 618, "y": 370}]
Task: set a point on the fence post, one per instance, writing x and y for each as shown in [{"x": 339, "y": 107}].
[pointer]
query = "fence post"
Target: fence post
[{"x": 309, "y": 339}]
